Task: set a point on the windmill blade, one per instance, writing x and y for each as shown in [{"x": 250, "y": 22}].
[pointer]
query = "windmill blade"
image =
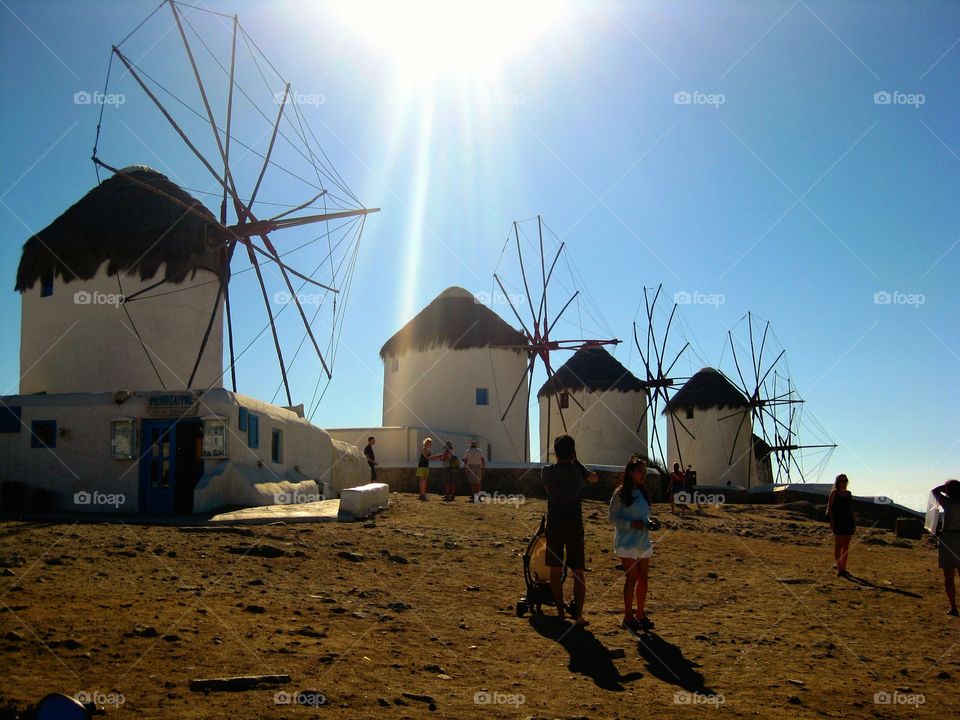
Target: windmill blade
[
  {"x": 527, "y": 370},
  {"x": 512, "y": 307},
  {"x": 736, "y": 362},
  {"x": 523, "y": 270},
  {"x": 562, "y": 310},
  {"x": 547, "y": 281}
]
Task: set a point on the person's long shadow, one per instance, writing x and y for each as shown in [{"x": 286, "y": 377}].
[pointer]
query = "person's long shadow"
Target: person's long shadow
[
  {"x": 866, "y": 583},
  {"x": 588, "y": 656},
  {"x": 666, "y": 662}
]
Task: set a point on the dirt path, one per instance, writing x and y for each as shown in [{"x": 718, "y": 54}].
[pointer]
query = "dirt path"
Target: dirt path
[{"x": 418, "y": 609}]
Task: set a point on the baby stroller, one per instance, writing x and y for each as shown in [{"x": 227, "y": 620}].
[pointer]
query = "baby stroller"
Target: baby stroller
[{"x": 536, "y": 574}]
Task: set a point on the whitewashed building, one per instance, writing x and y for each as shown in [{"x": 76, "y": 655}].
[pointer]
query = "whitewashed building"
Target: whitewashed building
[
  {"x": 106, "y": 418},
  {"x": 603, "y": 405},
  {"x": 449, "y": 373},
  {"x": 710, "y": 427}
]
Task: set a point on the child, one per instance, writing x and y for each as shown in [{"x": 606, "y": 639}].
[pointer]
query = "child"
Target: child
[{"x": 630, "y": 515}]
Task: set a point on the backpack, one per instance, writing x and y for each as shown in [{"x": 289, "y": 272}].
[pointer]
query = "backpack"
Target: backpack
[{"x": 454, "y": 461}]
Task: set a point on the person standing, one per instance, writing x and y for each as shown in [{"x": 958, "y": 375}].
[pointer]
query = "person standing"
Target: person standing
[
  {"x": 677, "y": 487},
  {"x": 842, "y": 523},
  {"x": 475, "y": 464},
  {"x": 564, "y": 482},
  {"x": 423, "y": 466},
  {"x": 450, "y": 463},
  {"x": 948, "y": 539},
  {"x": 630, "y": 515},
  {"x": 371, "y": 457}
]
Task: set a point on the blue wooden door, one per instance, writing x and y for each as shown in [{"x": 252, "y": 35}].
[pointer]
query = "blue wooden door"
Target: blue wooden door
[{"x": 158, "y": 467}]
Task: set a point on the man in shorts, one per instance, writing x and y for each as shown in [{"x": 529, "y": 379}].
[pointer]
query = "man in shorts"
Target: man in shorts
[
  {"x": 564, "y": 483},
  {"x": 475, "y": 464}
]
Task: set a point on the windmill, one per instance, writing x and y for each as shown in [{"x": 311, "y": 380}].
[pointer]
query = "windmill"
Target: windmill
[
  {"x": 660, "y": 379},
  {"x": 774, "y": 407},
  {"x": 241, "y": 145},
  {"x": 540, "y": 324}
]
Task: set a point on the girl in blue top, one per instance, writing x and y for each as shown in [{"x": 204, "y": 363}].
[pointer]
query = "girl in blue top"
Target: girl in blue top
[{"x": 630, "y": 515}]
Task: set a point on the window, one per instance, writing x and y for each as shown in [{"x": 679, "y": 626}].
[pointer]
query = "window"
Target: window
[
  {"x": 276, "y": 448},
  {"x": 564, "y": 400},
  {"x": 253, "y": 430},
  {"x": 483, "y": 396},
  {"x": 689, "y": 413},
  {"x": 394, "y": 364},
  {"x": 46, "y": 287},
  {"x": 214, "y": 437},
  {"x": 122, "y": 438},
  {"x": 242, "y": 420},
  {"x": 10, "y": 421},
  {"x": 44, "y": 434}
]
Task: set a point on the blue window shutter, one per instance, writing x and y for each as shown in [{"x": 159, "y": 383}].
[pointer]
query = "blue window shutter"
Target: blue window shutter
[
  {"x": 46, "y": 287},
  {"x": 482, "y": 396},
  {"x": 253, "y": 430},
  {"x": 242, "y": 423}
]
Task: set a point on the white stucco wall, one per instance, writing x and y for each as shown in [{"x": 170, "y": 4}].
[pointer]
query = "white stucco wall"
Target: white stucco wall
[
  {"x": 400, "y": 446},
  {"x": 68, "y": 346},
  {"x": 81, "y": 460},
  {"x": 709, "y": 451},
  {"x": 436, "y": 389},
  {"x": 605, "y": 429}
]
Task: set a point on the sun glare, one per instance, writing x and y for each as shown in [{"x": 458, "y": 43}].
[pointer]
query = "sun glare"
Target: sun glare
[{"x": 425, "y": 38}]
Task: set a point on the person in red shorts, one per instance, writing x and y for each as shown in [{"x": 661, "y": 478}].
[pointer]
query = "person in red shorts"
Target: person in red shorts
[{"x": 564, "y": 482}]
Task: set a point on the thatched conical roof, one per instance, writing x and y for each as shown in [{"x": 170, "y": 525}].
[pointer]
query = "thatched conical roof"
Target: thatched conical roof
[
  {"x": 593, "y": 368},
  {"x": 137, "y": 230},
  {"x": 706, "y": 389},
  {"x": 457, "y": 320}
]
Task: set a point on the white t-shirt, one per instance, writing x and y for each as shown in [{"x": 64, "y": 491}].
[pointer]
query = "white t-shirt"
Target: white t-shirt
[{"x": 473, "y": 457}]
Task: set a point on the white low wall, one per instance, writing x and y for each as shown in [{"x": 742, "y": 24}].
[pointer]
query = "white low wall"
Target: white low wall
[{"x": 398, "y": 445}]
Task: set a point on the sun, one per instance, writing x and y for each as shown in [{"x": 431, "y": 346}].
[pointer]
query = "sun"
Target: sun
[{"x": 424, "y": 39}]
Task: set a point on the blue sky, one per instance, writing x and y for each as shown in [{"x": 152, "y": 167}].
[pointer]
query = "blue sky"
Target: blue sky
[{"x": 786, "y": 186}]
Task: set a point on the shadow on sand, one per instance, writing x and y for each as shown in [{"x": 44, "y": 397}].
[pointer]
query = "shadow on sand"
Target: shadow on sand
[
  {"x": 884, "y": 588},
  {"x": 666, "y": 662},
  {"x": 588, "y": 656}
]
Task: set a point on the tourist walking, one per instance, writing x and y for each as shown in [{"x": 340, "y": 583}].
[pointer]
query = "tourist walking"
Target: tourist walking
[
  {"x": 842, "y": 523},
  {"x": 630, "y": 515},
  {"x": 564, "y": 482},
  {"x": 371, "y": 457},
  {"x": 475, "y": 464},
  {"x": 948, "y": 539}
]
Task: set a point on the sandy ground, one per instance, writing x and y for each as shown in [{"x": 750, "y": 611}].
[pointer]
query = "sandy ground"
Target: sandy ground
[{"x": 414, "y": 614}]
